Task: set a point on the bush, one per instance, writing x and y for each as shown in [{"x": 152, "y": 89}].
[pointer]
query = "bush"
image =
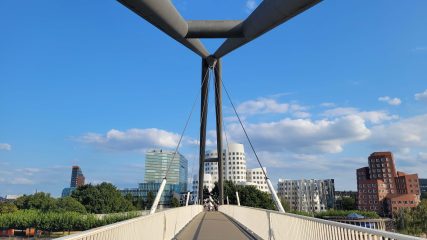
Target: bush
[
  {"x": 7, "y": 207},
  {"x": 344, "y": 213},
  {"x": 69, "y": 204},
  {"x": 40, "y": 201},
  {"x": 102, "y": 198},
  {"x": 58, "y": 221}
]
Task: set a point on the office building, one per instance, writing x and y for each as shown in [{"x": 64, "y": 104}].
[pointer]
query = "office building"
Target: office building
[
  {"x": 308, "y": 195},
  {"x": 151, "y": 188},
  {"x": 383, "y": 189},
  {"x": 234, "y": 169},
  {"x": 423, "y": 185},
  {"x": 77, "y": 180},
  {"x": 207, "y": 183},
  {"x": 234, "y": 163},
  {"x": 256, "y": 177},
  {"x": 158, "y": 164},
  {"x": 12, "y": 197},
  {"x": 77, "y": 177}
]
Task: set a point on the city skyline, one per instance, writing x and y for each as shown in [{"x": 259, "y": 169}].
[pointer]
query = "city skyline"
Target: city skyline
[{"x": 70, "y": 95}]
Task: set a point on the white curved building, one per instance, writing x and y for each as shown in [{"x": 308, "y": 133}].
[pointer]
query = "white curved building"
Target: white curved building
[
  {"x": 234, "y": 164},
  {"x": 256, "y": 178}
]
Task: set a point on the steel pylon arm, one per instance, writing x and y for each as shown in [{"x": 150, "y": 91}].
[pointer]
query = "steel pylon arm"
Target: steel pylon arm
[
  {"x": 163, "y": 15},
  {"x": 268, "y": 15}
]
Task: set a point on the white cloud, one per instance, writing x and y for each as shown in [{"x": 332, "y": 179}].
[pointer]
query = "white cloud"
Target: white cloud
[
  {"x": 304, "y": 135},
  {"x": 327, "y": 104},
  {"x": 301, "y": 114},
  {"x": 262, "y": 106},
  {"x": 407, "y": 133},
  {"x": 375, "y": 117},
  {"x": 421, "y": 96},
  {"x": 390, "y": 101},
  {"x": 132, "y": 139},
  {"x": 269, "y": 106},
  {"x": 28, "y": 171},
  {"x": 251, "y": 5},
  {"x": 422, "y": 156},
  {"x": 419, "y": 49},
  {"x": 20, "y": 181},
  {"x": 5, "y": 147}
]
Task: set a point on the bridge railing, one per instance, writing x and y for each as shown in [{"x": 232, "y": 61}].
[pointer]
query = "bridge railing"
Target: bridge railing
[
  {"x": 274, "y": 225},
  {"x": 161, "y": 225}
]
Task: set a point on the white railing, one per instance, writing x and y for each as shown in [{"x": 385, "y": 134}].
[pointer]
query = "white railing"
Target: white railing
[
  {"x": 274, "y": 225},
  {"x": 161, "y": 225}
]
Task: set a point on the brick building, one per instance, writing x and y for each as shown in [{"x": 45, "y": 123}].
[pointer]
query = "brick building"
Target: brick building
[
  {"x": 77, "y": 180},
  {"x": 383, "y": 189},
  {"x": 77, "y": 177}
]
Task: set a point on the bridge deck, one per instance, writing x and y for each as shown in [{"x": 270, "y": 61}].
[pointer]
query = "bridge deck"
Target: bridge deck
[{"x": 211, "y": 226}]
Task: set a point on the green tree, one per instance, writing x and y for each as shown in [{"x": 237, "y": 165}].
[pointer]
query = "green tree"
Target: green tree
[
  {"x": 348, "y": 203},
  {"x": 7, "y": 207},
  {"x": 40, "y": 201},
  {"x": 175, "y": 202},
  {"x": 285, "y": 204},
  {"x": 344, "y": 213},
  {"x": 69, "y": 204},
  {"x": 102, "y": 198},
  {"x": 137, "y": 201},
  {"x": 412, "y": 221},
  {"x": 249, "y": 196},
  {"x": 150, "y": 199}
]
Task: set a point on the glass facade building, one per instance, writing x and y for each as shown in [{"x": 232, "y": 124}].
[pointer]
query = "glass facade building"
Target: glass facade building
[
  {"x": 157, "y": 163},
  {"x": 77, "y": 180},
  {"x": 144, "y": 189},
  {"x": 156, "y": 166},
  {"x": 77, "y": 177}
]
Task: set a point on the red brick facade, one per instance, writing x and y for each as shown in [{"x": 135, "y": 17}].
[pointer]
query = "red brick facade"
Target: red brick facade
[{"x": 384, "y": 190}]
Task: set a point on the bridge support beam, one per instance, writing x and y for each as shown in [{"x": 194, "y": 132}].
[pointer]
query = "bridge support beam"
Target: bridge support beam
[
  {"x": 218, "y": 108},
  {"x": 203, "y": 121}
]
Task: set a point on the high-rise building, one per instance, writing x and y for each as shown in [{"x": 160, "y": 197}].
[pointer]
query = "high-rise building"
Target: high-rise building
[
  {"x": 383, "y": 189},
  {"x": 234, "y": 163},
  {"x": 308, "y": 195},
  {"x": 157, "y": 163},
  {"x": 256, "y": 177},
  {"x": 77, "y": 180},
  {"x": 207, "y": 182},
  {"x": 423, "y": 185},
  {"x": 234, "y": 169},
  {"x": 77, "y": 177}
]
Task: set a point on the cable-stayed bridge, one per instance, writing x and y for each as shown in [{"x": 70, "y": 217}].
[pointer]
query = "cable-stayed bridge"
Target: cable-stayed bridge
[{"x": 230, "y": 221}]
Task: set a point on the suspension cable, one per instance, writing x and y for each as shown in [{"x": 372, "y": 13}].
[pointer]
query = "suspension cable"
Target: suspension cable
[
  {"x": 188, "y": 120},
  {"x": 244, "y": 130}
]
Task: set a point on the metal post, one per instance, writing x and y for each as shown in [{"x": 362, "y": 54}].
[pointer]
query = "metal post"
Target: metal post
[
  {"x": 274, "y": 195},
  {"x": 228, "y": 202},
  {"x": 203, "y": 117},
  {"x": 218, "y": 108},
  {"x": 158, "y": 195},
  {"x": 188, "y": 198},
  {"x": 238, "y": 199}
]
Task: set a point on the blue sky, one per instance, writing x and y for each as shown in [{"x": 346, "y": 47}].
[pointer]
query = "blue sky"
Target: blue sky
[{"x": 91, "y": 83}]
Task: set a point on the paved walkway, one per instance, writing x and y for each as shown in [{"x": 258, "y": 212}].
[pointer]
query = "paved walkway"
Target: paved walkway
[{"x": 211, "y": 226}]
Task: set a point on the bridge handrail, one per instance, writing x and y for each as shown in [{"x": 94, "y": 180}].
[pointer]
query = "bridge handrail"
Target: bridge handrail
[
  {"x": 161, "y": 225},
  {"x": 267, "y": 224}
]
